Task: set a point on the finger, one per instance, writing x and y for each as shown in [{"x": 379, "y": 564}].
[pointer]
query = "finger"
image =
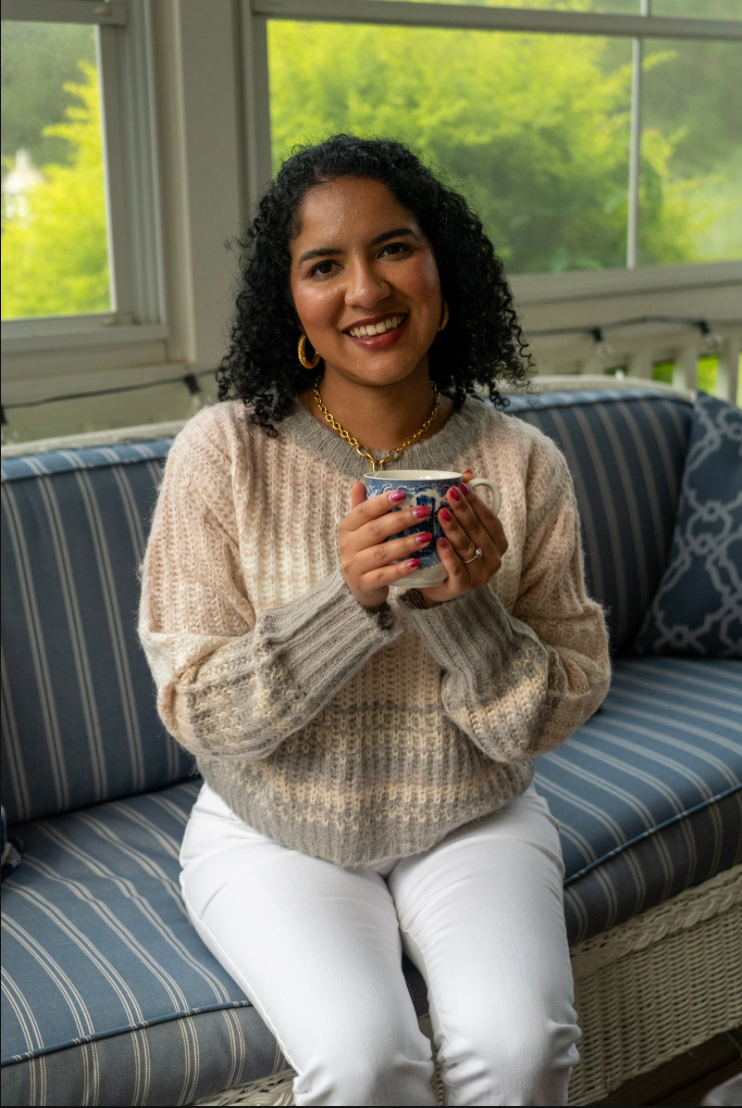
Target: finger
[
  {"x": 379, "y": 529},
  {"x": 387, "y": 575},
  {"x": 461, "y": 541},
  {"x": 469, "y": 520},
  {"x": 458, "y": 581},
  {"x": 374, "y": 557},
  {"x": 467, "y": 475},
  {"x": 357, "y": 494},
  {"x": 371, "y": 507},
  {"x": 489, "y": 520}
]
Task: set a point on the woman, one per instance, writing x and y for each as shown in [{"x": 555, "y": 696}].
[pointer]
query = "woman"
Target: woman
[{"x": 368, "y": 752}]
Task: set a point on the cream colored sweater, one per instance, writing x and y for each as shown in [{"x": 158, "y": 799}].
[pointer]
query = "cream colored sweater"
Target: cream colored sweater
[{"x": 345, "y": 734}]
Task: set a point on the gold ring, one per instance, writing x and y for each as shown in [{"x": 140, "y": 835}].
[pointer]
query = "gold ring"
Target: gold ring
[{"x": 477, "y": 554}]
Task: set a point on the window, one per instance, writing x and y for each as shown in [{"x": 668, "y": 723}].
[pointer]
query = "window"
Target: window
[
  {"x": 589, "y": 134},
  {"x": 81, "y": 251}
]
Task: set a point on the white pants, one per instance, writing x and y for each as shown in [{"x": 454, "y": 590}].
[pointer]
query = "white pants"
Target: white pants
[{"x": 318, "y": 948}]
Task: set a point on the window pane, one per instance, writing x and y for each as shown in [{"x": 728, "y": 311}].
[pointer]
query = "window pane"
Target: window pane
[
  {"x": 699, "y": 9},
  {"x": 615, "y": 7},
  {"x": 534, "y": 129},
  {"x": 691, "y": 151},
  {"x": 54, "y": 242}
]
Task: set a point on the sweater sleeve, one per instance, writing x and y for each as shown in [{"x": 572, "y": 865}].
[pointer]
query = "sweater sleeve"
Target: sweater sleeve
[
  {"x": 228, "y": 684},
  {"x": 519, "y": 683}
]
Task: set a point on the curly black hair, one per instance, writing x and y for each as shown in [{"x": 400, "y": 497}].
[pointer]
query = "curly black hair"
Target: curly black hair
[{"x": 482, "y": 342}]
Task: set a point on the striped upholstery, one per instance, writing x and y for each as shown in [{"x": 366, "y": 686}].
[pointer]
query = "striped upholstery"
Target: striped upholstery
[
  {"x": 79, "y": 723},
  {"x": 648, "y": 795},
  {"x": 626, "y": 450}
]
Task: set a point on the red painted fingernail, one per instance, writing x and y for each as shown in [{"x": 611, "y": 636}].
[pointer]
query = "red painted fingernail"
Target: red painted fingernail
[
  {"x": 445, "y": 515},
  {"x": 464, "y": 488},
  {"x": 395, "y": 497},
  {"x": 454, "y": 494},
  {"x": 414, "y": 563},
  {"x": 421, "y": 513},
  {"x": 424, "y": 536},
  {"x": 443, "y": 543}
]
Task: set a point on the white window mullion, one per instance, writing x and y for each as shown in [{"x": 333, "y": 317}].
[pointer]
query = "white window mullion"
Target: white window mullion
[
  {"x": 119, "y": 261},
  {"x": 256, "y": 100},
  {"x": 635, "y": 144}
]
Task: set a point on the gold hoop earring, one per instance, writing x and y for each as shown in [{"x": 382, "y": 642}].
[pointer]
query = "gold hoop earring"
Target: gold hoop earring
[
  {"x": 444, "y": 318},
  {"x": 303, "y": 354}
]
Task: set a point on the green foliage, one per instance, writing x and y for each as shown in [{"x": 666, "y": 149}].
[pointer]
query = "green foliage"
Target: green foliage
[
  {"x": 54, "y": 249},
  {"x": 37, "y": 58},
  {"x": 533, "y": 128}
]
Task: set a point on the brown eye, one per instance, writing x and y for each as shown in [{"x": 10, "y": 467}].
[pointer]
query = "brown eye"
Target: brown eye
[{"x": 323, "y": 268}]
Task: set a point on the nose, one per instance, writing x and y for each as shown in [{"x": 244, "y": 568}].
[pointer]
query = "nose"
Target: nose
[{"x": 365, "y": 287}]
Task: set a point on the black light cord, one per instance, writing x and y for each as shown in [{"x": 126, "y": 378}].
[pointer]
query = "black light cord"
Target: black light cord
[
  {"x": 190, "y": 381},
  {"x": 702, "y": 325}
]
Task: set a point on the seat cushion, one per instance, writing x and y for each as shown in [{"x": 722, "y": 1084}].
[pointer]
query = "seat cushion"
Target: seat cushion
[
  {"x": 648, "y": 793},
  {"x": 109, "y": 989},
  {"x": 626, "y": 450},
  {"x": 79, "y": 724}
]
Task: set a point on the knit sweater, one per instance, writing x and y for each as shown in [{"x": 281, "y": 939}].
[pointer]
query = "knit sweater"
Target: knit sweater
[{"x": 347, "y": 734}]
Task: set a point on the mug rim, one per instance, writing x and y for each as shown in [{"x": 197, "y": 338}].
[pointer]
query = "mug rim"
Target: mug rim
[{"x": 418, "y": 475}]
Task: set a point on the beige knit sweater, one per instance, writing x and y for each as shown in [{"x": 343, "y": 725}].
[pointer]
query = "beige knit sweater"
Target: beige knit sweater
[{"x": 349, "y": 735}]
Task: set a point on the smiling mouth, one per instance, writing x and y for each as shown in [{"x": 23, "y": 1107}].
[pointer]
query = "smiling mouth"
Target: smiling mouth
[{"x": 368, "y": 330}]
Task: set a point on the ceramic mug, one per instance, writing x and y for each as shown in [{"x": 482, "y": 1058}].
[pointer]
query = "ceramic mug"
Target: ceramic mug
[{"x": 424, "y": 488}]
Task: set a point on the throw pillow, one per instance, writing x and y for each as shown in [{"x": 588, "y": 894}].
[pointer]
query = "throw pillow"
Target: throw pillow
[{"x": 697, "y": 609}]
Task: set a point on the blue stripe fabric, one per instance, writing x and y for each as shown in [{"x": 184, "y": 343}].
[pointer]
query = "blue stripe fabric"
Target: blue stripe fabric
[
  {"x": 96, "y": 457},
  {"x": 79, "y": 721},
  {"x": 626, "y": 451}
]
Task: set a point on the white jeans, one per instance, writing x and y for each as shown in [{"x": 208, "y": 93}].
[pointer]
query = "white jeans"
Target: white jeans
[{"x": 317, "y": 948}]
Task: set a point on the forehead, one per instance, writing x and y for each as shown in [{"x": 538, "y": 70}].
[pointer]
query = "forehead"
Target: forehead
[{"x": 351, "y": 208}]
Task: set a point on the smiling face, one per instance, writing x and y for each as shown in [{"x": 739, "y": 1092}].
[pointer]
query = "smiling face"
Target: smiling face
[{"x": 365, "y": 282}]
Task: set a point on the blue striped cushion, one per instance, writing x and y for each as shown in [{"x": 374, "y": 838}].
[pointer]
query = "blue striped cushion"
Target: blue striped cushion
[
  {"x": 98, "y": 944},
  {"x": 79, "y": 720},
  {"x": 626, "y": 450}
]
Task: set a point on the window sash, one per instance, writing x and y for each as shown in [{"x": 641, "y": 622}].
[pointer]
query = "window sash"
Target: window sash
[
  {"x": 131, "y": 180},
  {"x": 470, "y": 17}
]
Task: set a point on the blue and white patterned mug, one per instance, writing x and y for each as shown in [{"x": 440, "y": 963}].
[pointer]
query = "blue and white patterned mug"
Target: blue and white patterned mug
[{"x": 424, "y": 488}]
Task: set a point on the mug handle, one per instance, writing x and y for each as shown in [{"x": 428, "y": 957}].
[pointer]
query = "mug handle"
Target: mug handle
[{"x": 495, "y": 507}]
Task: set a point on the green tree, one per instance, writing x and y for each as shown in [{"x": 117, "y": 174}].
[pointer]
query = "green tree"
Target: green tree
[
  {"x": 54, "y": 249},
  {"x": 36, "y": 60},
  {"x": 533, "y": 128}
]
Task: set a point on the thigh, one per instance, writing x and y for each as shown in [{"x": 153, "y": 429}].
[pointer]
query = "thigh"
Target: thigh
[
  {"x": 316, "y": 947},
  {"x": 482, "y": 916}
]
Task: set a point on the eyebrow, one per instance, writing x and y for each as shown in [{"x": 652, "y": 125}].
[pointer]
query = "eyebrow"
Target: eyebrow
[{"x": 325, "y": 251}]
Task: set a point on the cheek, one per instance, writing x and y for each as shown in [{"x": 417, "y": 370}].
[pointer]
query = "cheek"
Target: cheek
[
  {"x": 421, "y": 281},
  {"x": 317, "y": 306}
]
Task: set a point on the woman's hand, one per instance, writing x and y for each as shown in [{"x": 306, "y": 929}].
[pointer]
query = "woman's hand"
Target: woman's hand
[
  {"x": 468, "y": 525},
  {"x": 365, "y": 558}
]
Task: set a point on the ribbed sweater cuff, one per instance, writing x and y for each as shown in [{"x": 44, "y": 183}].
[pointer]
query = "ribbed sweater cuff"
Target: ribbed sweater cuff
[
  {"x": 471, "y": 635},
  {"x": 326, "y": 630}
]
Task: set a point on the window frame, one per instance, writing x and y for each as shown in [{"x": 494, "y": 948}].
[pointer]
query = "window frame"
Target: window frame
[
  {"x": 540, "y": 286},
  {"x": 132, "y": 186}
]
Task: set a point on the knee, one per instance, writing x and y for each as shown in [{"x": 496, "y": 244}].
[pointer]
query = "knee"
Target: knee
[
  {"x": 517, "y": 1062},
  {"x": 358, "y": 1066}
]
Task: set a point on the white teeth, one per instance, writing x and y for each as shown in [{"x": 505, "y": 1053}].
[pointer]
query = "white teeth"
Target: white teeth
[{"x": 376, "y": 328}]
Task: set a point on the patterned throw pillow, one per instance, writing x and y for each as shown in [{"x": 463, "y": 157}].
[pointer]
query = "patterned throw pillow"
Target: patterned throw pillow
[{"x": 697, "y": 609}]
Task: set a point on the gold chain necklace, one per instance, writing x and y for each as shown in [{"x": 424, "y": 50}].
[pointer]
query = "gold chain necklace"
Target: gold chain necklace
[{"x": 393, "y": 455}]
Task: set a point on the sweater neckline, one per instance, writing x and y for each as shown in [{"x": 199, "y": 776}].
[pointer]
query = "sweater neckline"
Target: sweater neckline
[{"x": 461, "y": 429}]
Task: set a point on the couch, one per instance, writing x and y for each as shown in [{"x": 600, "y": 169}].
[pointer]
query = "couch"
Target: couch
[{"x": 109, "y": 997}]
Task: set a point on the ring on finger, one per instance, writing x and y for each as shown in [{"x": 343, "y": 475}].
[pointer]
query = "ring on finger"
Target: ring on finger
[{"x": 477, "y": 554}]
